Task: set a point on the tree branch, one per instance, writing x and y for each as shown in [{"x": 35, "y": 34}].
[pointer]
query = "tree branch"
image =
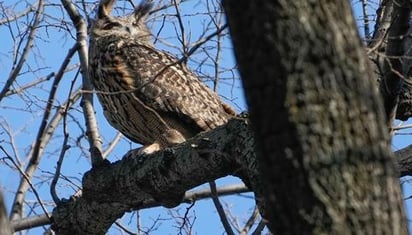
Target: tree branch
[
  {"x": 392, "y": 80},
  {"x": 4, "y": 222},
  {"x": 43, "y": 134},
  {"x": 219, "y": 209},
  {"x": 112, "y": 189},
  {"x": 136, "y": 181},
  {"x": 191, "y": 196},
  {"x": 87, "y": 100},
  {"x": 15, "y": 71}
]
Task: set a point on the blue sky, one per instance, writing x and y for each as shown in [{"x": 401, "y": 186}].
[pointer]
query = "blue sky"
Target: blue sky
[{"x": 22, "y": 114}]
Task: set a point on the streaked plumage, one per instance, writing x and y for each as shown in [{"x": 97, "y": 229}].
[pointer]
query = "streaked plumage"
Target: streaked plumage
[{"x": 146, "y": 93}]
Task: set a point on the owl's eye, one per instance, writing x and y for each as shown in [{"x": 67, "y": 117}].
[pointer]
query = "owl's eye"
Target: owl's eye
[{"x": 111, "y": 25}]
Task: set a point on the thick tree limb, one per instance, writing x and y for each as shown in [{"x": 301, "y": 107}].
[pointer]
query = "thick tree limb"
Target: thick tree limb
[
  {"x": 190, "y": 197},
  {"x": 141, "y": 199},
  {"x": 112, "y": 189}
]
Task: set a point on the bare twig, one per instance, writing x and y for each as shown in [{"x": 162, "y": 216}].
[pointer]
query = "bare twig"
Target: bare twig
[
  {"x": 220, "y": 210},
  {"x": 23, "y": 13},
  {"x": 204, "y": 40},
  {"x": 186, "y": 219},
  {"x": 36, "y": 82},
  {"x": 40, "y": 141},
  {"x": 259, "y": 228},
  {"x": 182, "y": 38},
  {"x": 112, "y": 144},
  {"x": 216, "y": 60},
  {"x": 7, "y": 129},
  {"x": 65, "y": 147},
  {"x": 250, "y": 221},
  {"x": 27, "y": 179},
  {"x": 16, "y": 69},
  {"x": 124, "y": 229}
]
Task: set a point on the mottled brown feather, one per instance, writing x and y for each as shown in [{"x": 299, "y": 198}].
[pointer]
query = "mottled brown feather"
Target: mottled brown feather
[{"x": 146, "y": 93}]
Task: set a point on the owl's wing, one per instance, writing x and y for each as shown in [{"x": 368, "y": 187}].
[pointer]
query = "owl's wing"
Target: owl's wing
[{"x": 170, "y": 88}]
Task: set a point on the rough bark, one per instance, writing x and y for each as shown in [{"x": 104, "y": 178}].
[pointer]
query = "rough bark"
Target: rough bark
[
  {"x": 115, "y": 188},
  {"x": 322, "y": 145},
  {"x": 404, "y": 157}
]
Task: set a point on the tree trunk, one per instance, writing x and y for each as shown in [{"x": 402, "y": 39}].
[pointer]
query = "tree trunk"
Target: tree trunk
[{"x": 322, "y": 142}]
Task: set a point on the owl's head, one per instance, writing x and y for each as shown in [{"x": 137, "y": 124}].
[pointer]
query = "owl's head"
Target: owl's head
[{"x": 128, "y": 26}]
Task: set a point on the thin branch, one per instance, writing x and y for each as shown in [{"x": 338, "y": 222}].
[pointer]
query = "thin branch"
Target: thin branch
[
  {"x": 124, "y": 229},
  {"x": 87, "y": 100},
  {"x": 221, "y": 191},
  {"x": 65, "y": 147},
  {"x": 250, "y": 221},
  {"x": 18, "y": 15},
  {"x": 259, "y": 228},
  {"x": 15, "y": 71},
  {"x": 27, "y": 179},
  {"x": 185, "y": 217},
  {"x": 216, "y": 62},
  {"x": 204, "y": 40},
  {"x": 220, "y": 210},
  {"x": 365, "y": 19},
  {"x": 29, "y": 222},
  {"x": 407, "y": 126},
  {"x": 30, "y": 84},
  {"x": 40, "y": 139},
  {"x": 182, "y": 39},
  {"x": 112, "y": 144},
  {"x": 38, "y": 81},
  {"x": 7, "y": 129}
]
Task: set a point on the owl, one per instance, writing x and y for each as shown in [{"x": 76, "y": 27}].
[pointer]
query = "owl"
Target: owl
[{"x": 147, "y": 94}]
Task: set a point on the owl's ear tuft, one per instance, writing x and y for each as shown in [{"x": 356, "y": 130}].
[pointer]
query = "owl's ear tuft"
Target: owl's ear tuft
[
  {"x": 105, "y": 7},
  {"x": 143, "y": 10}
]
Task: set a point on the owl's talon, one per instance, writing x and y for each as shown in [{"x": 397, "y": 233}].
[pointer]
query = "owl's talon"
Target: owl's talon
[{"x": 149, "y": 149}]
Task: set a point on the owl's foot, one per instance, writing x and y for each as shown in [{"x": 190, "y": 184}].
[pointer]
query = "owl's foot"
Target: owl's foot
[{"x": 148, "y": 149}]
